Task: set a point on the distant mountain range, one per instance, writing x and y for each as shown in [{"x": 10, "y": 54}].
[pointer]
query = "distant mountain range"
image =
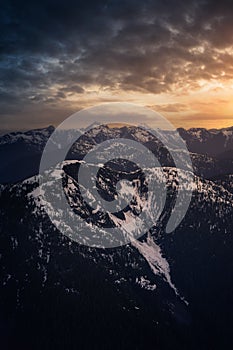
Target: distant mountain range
[
  {"x": 213, "y": 142},
  {"x": 211, "y": 150}
]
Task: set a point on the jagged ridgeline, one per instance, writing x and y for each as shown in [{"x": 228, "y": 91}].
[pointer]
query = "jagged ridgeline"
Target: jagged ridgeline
[{"x": 211, "y": 150}]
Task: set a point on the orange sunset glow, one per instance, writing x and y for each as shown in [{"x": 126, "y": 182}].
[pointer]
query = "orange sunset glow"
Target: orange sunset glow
[{"x": 175, "y": 58}]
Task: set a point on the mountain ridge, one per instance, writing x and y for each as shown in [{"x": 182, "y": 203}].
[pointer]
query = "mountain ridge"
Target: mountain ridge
[{"x": 23, "y": 150}]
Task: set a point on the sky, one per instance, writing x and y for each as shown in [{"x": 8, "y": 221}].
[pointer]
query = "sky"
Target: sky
[{"x": 57, "y": 57}]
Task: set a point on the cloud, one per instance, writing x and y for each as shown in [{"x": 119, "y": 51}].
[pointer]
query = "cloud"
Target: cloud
[
  {"x": 73, "y": 89},
  {"x": 172, "y": 107},
  {"x": 51, "y": 51}
]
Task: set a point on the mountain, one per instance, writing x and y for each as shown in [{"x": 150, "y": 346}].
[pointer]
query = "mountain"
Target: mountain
[
  {"x": 163, "y": 290},
  {"x": 213, "y": 142},
  {"x": 168, "y": 290},
  {"x": 34, "y": 138},
  {"x": 211, "y": 150},
  {"x": 20, "y": 153}
]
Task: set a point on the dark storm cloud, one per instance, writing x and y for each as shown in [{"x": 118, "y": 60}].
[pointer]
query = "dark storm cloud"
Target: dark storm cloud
[
  {"x": 172, "y": 107},
  {"x": 118, "y": 45}
]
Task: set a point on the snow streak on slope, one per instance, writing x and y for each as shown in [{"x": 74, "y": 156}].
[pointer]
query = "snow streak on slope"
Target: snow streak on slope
[{"x": 151, "y": 252}]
